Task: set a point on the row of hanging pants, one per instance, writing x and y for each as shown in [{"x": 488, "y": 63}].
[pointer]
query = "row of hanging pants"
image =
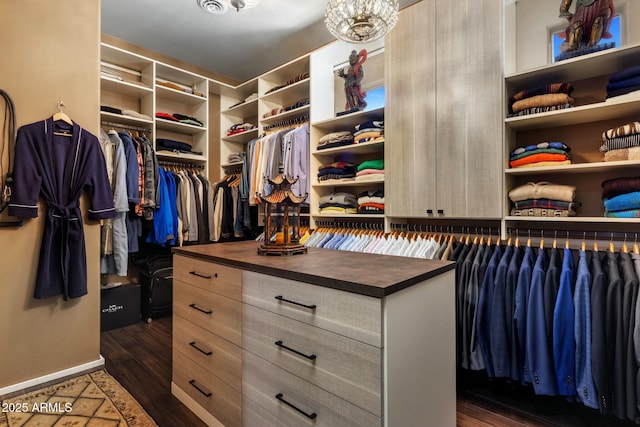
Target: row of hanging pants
[{"x": 564, "y": 322}]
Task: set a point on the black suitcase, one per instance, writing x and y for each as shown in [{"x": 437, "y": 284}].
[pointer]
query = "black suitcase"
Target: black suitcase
[{"x": 156, "y": 280}]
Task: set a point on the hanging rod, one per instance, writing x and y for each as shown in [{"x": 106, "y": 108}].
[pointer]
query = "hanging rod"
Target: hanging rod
[
  {"x": 181, "y": 164},
  {"x": 290, "y": 122},
  {"x": 124, "y": 126}
]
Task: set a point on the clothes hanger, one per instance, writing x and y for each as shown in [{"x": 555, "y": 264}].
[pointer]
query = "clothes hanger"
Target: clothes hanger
[
  {"x": 625, "y": 248},
  {"x": 566, "y": 242},
  {"x": 542, "y": 239},
  {"x": 595, "y": 242},
  {"x": 583, "y": 245},
  {"x": 555, "y": 240},
  {"x": 636, "y": 250},
  {"x": 612, "y": 248},
  {"x": 61, "y": 116}
]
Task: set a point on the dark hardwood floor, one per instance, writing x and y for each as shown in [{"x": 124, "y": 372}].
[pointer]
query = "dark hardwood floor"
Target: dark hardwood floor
[{"x": 139, "y": 357}]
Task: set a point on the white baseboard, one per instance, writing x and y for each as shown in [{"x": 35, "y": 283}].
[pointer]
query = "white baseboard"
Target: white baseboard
[
  {"x": 55, "y": 376},
  {"x": 195, "y": 407}
]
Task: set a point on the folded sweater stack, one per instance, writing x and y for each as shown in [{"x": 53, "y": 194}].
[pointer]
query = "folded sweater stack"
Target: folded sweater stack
[
  {"x": 371, "y": 202},
  {"x": 621, "y": 143},
  {"x": 239, "y": 128},
  {"x": 369, "y": 131},
  {"x": 549, "y": 97},
  {"x": 336, "y": 170},
  {"x": 543, "y": 199},
  {"x": 541, "y": 154},
  {"x": 335, "y": 139},
  {"x": 339, "y": 203},
  {"x": 370, "y": 170},
  {"x": 624, "y": 82},
  {"x": 180, "y": 118},
  {"x": 621, "y": 197}
]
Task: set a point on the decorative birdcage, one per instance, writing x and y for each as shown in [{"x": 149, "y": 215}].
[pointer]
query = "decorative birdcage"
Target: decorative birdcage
[{"x": 282, "y": 218}]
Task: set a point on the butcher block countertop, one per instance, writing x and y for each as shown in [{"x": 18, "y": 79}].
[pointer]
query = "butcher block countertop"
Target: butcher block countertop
[{"x": 366, "y": 274}]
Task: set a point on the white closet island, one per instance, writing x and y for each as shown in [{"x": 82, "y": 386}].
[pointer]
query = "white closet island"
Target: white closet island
[{"x": 329, "y": 338}]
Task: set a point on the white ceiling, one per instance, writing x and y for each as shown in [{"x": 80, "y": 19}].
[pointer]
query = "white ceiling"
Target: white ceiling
[{"x": 239, "y": 45}]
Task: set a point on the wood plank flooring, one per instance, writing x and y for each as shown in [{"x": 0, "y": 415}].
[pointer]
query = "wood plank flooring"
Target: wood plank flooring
[{"x": 139, "y": 357}]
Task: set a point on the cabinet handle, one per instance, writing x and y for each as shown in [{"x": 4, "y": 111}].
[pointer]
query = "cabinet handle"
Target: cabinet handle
[
  {"x": 206, "y": 353},
  {"x": 440, "y": 211},
  {"x": 194, "y": 385},
  {"x": 195, "y": 273},
  {"x": 194, "y": 306},
  {"x": 429, "y": 211},
  {"x": 311, "y": 416},
  {"x": 310, "y": 307},
  {"x": 308, "y": 356}
]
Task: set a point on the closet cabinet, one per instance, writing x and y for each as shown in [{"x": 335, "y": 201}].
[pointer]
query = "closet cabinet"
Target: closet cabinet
[
  {"x": 579, "y": 127},
  {"x": 239, "y": 105},
  {"x": 136, "y": 88},
  {"x": 186, "y": 94},
  {"x": 444, "y": 106},
  {"x": 354, "y": 153},
  {"x": 127, "y": 84}
]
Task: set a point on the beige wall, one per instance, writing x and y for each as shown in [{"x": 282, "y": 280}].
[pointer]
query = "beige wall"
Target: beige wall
[
  {"x": 50, "y": 52},
  {"x": 536, "y": 18}
]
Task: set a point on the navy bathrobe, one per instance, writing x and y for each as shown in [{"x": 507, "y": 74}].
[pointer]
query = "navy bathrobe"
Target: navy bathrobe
[{"x": 59, "y": 169}]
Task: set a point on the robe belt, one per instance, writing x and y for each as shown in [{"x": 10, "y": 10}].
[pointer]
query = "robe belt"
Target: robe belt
[{"x": 64, "y": 214}]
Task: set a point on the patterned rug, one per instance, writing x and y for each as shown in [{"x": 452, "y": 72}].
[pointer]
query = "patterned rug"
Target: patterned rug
[{"x": 91, "y": 400}]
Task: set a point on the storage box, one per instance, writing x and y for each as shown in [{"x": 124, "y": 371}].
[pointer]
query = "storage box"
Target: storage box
[{"x": 119, "y": 306}]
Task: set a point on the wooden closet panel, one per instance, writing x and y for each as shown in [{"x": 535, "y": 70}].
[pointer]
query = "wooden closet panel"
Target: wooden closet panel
[
  {"x": 469, "y": 107},
  {"x": 410, "y": 113}
]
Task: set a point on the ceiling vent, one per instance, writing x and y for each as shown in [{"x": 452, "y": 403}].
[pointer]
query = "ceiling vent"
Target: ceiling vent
[{"x": 217, "y": 7}]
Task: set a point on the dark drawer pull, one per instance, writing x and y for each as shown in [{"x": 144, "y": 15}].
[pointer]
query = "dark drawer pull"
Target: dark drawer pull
[
  {"x": 206, "y": 393},
  {"x": 310, "y": 307},
  {"x": 311, "y": 416},
  {"x": 206, "y": 353},
  {"x": 308, "y": 356},
  {"x": 195, "y": 273},
  {"x": 199, "y": 309}
]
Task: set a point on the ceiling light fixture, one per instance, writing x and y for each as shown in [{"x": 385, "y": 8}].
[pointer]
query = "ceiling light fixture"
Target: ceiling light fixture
[
  {"x": 217, "y": 7},
  {"x": 360, "y": 21},
  {"x": 243, "y": 4}
]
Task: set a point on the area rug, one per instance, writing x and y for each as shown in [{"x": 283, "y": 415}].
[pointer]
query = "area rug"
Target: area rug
[{"x": 92, "y": 400}]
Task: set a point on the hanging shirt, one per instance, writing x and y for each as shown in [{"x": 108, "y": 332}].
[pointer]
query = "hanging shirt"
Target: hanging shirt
[{"x": 60, "y": 169}]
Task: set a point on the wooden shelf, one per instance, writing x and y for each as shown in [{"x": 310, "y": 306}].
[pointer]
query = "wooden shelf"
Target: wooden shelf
[
  {"x": 178, "y": 96},
  {"x": 625, "y": 106},
  {"x": 578, "y": 219},
  {"x": 577, "y": 168},
  {"x": 179, "y": 127},
  {"x": 289, "y": 94},
  {"x": 362, "y": 148},
  {"x": 242, "y": 137},
  {"x": 125, "y": 88},
  {"x": 347, "y": 182},
  {"x": 126, "y": 120},
  {"x": 356, "y": 215},
  {"x": 182, "y": 156},
  {"x": 246, "y": 109},
  {"x": 349, "y": 121},
  {"x": 285, "y": 115}
]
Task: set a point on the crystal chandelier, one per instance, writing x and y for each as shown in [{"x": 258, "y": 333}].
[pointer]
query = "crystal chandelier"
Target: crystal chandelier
[{"x": 360, "y": 21}]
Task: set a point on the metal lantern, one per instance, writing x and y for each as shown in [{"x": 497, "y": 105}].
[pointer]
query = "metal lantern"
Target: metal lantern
[{"x": 282, "y": 218}]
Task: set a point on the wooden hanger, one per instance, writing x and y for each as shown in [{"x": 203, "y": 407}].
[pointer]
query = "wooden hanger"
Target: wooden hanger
[
  {"x": 542, "y": 240},
  {"x": 625, "y": 248},
  {"x": 595, "y": 242},
  {"x": 61, "y": 116},
  {"x": 612, "y": 248},
  {"x": 583, "y": 245},
  {"x": 636, "y": 250}
]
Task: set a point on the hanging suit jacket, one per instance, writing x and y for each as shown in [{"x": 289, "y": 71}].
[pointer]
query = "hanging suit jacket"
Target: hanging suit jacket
[
  {"x": 599, "y": 363},
  {"x": 614, "y": 334},
  {"x": 564, "y": 347},
  {"x": 539, "y": 352},
  {"x": 510, "y": 305},
  {"x": 585, "y": 386},
  {"x": 630, "y": 295},
  {"x": 483, "y": 320},
  {"x": 498, "y": 340},
  {"x": 520, "y": 312},
  {"x": 636, "y": 330}
]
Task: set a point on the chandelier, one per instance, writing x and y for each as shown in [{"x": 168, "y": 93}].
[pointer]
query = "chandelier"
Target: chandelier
[{"x": 360, "y": 21}]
